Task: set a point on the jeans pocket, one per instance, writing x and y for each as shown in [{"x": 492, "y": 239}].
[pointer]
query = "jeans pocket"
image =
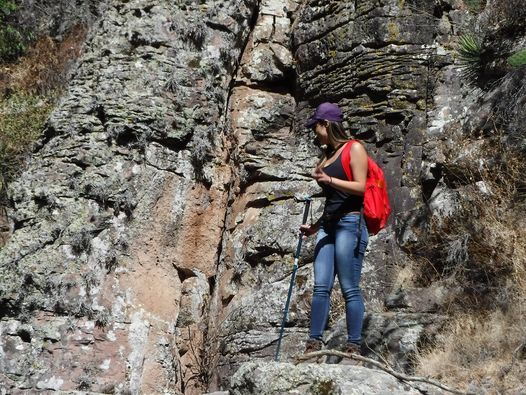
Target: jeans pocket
[{"x": 350, "y": 223}]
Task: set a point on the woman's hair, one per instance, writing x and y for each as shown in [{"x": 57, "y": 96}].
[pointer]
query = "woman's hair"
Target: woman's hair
[
  {"x": 336, "y": 133},
  {"x": 337, "y": 136}
]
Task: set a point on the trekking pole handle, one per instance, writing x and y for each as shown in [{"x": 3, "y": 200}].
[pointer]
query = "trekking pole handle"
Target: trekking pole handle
[
  {"x": 306, "y": 211},
  {"x": 305, "y": 217}
]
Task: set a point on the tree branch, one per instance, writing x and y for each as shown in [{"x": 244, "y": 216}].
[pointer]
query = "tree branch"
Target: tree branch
[{"x": 380, "y": 366}]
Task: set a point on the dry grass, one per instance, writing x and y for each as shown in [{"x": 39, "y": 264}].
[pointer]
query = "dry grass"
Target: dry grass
[
  {"x": 483, "y": 244},
  {"x": 487, "y": 350},
  {"x": 43, "y": 69},
  {"x": 508, "y": 16},
  {"x": 28, "y": 89},
  {"x": 481, "y": 249}
]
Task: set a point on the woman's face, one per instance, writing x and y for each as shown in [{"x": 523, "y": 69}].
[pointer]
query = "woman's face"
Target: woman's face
[{"x": 320, "y": 128}]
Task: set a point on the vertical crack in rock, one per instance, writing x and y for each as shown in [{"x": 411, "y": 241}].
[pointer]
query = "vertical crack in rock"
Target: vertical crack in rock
[
  {"x": 253, "y": 22},
  {"x": 267, "y": 159},
  {"x": 197, "y": 355},
  {"x": 211, "y": 339}
]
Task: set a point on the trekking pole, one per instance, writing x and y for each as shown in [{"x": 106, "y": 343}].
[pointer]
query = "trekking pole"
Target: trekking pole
[{"x": 307, "y": 200}]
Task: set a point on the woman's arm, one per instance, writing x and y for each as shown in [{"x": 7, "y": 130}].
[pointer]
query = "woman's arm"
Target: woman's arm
[{"x": 359, "y": 173}]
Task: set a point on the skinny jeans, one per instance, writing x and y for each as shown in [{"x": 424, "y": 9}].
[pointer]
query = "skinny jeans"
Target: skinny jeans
[{"x": 340, "y": 249}]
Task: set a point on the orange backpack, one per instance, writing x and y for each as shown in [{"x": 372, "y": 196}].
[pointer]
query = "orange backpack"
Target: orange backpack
[{"x": 376, "y": 207}]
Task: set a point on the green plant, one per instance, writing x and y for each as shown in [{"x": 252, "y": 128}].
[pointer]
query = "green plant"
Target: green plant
[
  {"x": 13, "y": 41},
  {"x": 22, "y": 119},
  {"x": 469, "y": 50},
  {"x": 474, "y": 6},
  {"x": 7, "y": 7},
  {"x": 518, "y": 58}
]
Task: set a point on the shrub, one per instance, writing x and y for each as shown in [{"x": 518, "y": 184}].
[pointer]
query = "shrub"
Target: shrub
[
  {"x": 482, "y": 244},
  {"x": 474, "y": 6},
  {"x": 22, "y": 118},
  {"x": 518, "y": 58},
  {"x": 481, "y": 249},
  {"x": 13, "y": 41}
]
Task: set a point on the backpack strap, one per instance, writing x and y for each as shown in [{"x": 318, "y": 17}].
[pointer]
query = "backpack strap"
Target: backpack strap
[
  {"x": 346, "y": 164},
  {"x": 346, "y": 159}
]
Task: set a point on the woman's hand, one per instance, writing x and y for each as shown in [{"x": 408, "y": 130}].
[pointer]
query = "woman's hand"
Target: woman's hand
[
  {"x": 308, "y": 230},
  {"x": 320, "y": 176},
  {"x": 358, "y": 165}
]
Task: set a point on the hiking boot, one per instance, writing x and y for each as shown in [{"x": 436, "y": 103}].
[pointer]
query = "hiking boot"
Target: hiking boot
[
  {"x": 353, "y": 348},
  {"x": 312, "y": 345},
  {"x": 349, "y": 348}
]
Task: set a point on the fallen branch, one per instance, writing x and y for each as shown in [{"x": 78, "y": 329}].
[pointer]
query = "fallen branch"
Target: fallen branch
[{"x": 380, "y": 366}]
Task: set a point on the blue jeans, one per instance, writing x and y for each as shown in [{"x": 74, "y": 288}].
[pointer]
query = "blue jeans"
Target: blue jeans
[{"x": 337, "y": 253}]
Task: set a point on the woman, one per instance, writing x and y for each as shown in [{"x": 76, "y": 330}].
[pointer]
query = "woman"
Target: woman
[{"x": 342, "y": 234}]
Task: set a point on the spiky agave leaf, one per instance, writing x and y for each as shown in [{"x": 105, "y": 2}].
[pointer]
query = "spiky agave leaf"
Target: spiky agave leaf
[
  {"x": 469, "y": 50},
  {"x": 518, "y": 58}
]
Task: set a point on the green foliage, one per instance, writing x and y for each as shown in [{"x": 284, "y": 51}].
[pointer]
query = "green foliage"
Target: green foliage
[
  {"x": 22, "y": 119},
  {"x": 323, "y": 387},
  {"x": 13, "y": 41},
  {"x": 7, "y": 7},
  {"x": 518, "y": 58},
  {"x": 469, "y": 50},
  {"x": 474, "y": 5}
]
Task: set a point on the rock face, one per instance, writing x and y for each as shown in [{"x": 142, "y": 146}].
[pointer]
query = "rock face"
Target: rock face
[
  {"x": 266, "y": 379},
  {"x": 118, "y": 218},
  {"x": 57, "y": 18},
  {"x": 153, "y": 231}
]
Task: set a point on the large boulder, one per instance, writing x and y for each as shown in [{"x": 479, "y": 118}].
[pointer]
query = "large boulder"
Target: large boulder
[{"x": 266, "y": 378}]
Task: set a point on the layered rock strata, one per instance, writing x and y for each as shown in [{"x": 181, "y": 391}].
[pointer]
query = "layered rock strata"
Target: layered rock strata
[{"x": 118, "y": 218}]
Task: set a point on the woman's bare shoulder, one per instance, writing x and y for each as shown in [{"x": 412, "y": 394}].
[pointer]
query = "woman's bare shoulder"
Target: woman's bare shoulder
[{"x": 358, "y": 148}]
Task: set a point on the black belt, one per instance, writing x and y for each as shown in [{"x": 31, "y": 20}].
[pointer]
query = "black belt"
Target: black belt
[{"x": 338, "y": 215}]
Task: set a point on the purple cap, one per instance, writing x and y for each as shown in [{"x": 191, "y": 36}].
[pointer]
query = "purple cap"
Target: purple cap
[{"x": 327, "y": 112}]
